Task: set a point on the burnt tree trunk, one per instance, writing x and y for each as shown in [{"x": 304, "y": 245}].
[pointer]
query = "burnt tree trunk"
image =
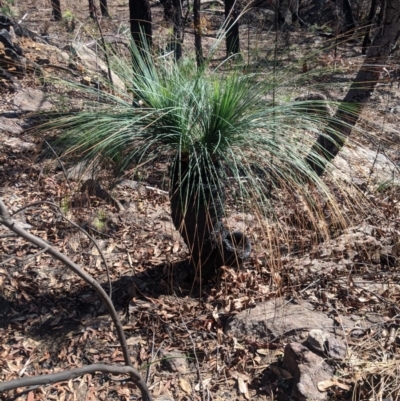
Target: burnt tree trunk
[
  {"x": 178, "y": 29},
  {"x": 197, "y": 209},
  {"x": 232, "y": 28},
  {"x": 91, "y": 9},
  {"x": 371, "y": 14},
  {"x": 349, "y": 22},
  {"x": 104, "y": 8},
  {"x": 56, "y": 7},
  {"x": 339, "y": 129},
  {"x": 197, "y": 32},
  {"x": 140, "y": 19}
]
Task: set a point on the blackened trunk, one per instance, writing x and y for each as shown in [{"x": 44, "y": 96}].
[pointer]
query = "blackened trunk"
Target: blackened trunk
[
  {"x": 197, "y": 208},
  {"x": 232, "y": 27},
  {"x": 168, "y": 6},
  {"x": 178, "y": 29},
  {"x": 91, "y": 9},
  {"x": 197, "y": 32},
  {"x": 367, "y": 40},
  {"x": 349, "y": 22},
  {"x": 104, "y": 8},
  {"x": 140, "y": 19},
  {"x": 56, "y": 6},
  {"x": 328, "y": 145}
]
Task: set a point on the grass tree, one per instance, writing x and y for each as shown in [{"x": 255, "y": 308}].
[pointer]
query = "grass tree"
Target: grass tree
[{"x": 224, "y": 132}]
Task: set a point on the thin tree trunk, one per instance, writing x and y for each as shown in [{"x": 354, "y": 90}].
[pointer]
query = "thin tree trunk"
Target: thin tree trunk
[
  {"x": 367, "y": 40},
  {"x": 339, "y": 129},
  {"x": 104, "y": 8},
  {"x": 197, "y": 32},
  {"x": 178, "y": 29},
  {"x": 56, "y": 6},
  {"x": 91, "y": 9},
  {"x": 349, "y": 22},
  {"x": 140, "y": 18},
  {"x": 232, "y": 27}
]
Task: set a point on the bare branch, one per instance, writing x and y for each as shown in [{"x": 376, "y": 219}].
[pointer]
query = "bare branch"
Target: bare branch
[
  {"x": 134, "y": 374},
  {"x": 65, "y": 376},
  {"x": 76, "y": 226}
]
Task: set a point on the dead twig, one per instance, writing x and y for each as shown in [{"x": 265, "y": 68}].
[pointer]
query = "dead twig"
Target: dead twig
[
  {"x": 66, "y": 375},
  {"x": 76, "y": 226}
]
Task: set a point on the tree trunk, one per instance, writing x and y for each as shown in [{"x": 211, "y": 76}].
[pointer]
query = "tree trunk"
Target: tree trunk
[
  {"x": 367, "y": 40},
  {"x": 178, "y": 29},
  {"x": 56, "y": 6},
  {"x": 349, "y": 22},
  {"x": 197, "y": 208},
  {"x": 232, "y": 28},
  {"x": 197, "y": 32},
  {"x": 91, "y": 9},
  {"x": 104, "y": 8},
  {"x": 329, "y": 144},
  {"x": 140, "y": 18},
  {"x": 168, "y": 9}
]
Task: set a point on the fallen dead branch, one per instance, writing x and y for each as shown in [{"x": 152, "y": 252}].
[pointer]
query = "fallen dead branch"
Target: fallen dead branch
[
  {"x": 134, "y": 375},
  {"x": 66, "y": 375}
]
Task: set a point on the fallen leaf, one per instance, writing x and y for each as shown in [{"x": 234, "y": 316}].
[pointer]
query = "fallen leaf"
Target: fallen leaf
[
  {"x": 243, "y": 389},
  {"x": 185, "y": 386}
]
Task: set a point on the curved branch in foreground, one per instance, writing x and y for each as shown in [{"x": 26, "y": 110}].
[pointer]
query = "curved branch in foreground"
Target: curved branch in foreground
[
  {"x": 52, "y": 204},
  {"x": 5, "y": 219},
  {"x": 64, "y": 376}
]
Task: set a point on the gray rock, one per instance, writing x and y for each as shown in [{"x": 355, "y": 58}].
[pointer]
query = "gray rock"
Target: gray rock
[
  {"x": 174, "y": 361},
  {"x": 28, "y": 99},
  {"x": 16, "y": 145},
  {"x": 360, "y": 165},
  {"x": 276, "y": 319},
  {"x": 336, "y": 348},
  {"x": 10, "y": 125},
  {"x": 317, "y": 340},
  {"x": 308, "y": 369},
  {"x": 92, "y": 61},
  {"x": 323, "y": 343}
]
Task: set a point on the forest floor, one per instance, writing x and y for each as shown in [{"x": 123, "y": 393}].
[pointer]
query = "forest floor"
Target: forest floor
[{"x": 51, "y": 320}]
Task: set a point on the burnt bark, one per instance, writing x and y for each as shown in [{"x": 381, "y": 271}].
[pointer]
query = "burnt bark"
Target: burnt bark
[
  {"x": 232, "y": 27},
  {"x": 371, "y": 14},
  {"x": 197, "y": 32},
  {"x": 56, "y": 7},
  {"x": 339, "y": 129},
  {"x": 140, "y": 19},
  {"x": 104, "y": 8},
  {"x": 349, "y": 21},
  {"x": 91, "y": 9},
  {"x": 197, "y": 209},
  {"x": 178, "y": 29}
]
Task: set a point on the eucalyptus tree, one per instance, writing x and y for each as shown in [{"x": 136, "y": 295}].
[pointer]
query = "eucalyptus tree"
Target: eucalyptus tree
[
  {"x": 56, "y": 7},
  {"x": 141, "y": 23},
  {"x": 232, "y": 27},
  {"x": 197, "y": 32},
  {"x": 336, "y": 133}
]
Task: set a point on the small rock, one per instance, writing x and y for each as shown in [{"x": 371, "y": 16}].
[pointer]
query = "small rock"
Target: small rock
[
  {"x": 336, "y": 348},
  {"x": 174, "y": 361},
  {"x": 64, "y": 56},
  {"x": 322, "y": 342},
  {"x": 31, "y": 100},
  {"x": 10, "y": 125},
  {"x": 317, "y": 340},
  {"x": 308, "y": 369},
  {"x": 82, "y": 171}
]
